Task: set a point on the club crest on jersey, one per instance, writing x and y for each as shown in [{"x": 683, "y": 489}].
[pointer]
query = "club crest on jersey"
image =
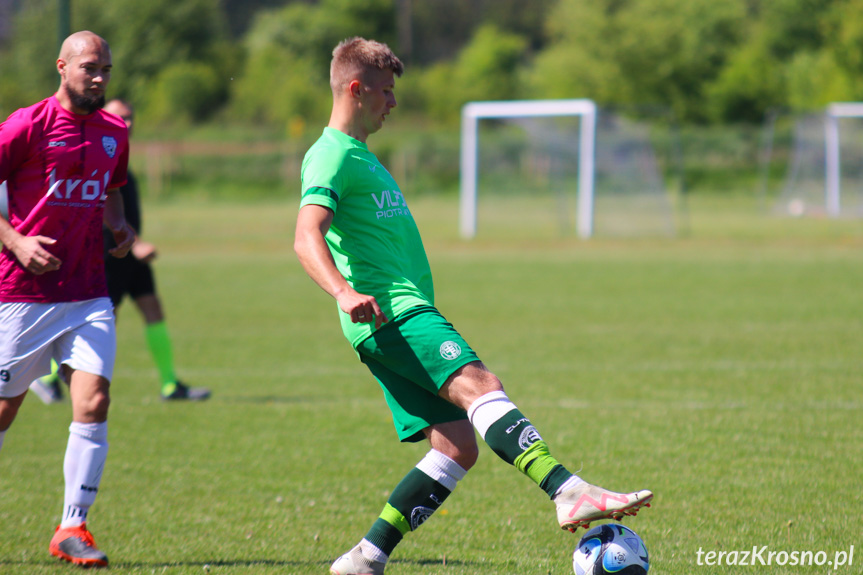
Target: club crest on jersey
[{"x": 110, "y": 145}]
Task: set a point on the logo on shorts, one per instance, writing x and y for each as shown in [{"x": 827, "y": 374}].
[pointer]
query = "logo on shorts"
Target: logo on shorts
[
  {"x": 110, "y": 145},
  {"x": 528, "y": 437},
  {"x": 419, "y": 516},
  {"x": 450, "y": 350},
  {"x": 5, "y": 376}
]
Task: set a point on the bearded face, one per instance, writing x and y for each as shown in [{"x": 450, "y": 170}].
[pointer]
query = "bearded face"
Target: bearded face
[
  {"x": 85, "y": 72},
  {"x": 86, "y": 101}
]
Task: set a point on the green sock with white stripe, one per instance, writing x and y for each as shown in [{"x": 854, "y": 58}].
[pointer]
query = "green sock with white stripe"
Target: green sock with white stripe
[
  {"x": 416, "y": 497},
  {"x": 515, "y": 440}
]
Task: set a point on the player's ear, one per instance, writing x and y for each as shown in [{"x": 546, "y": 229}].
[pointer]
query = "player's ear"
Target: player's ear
[
  {"x": 61, "y": 66},
  {"x": 356, "y": 88}
]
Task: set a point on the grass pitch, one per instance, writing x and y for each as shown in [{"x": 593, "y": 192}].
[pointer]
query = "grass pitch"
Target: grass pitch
[{"x": 722, "y": 370}]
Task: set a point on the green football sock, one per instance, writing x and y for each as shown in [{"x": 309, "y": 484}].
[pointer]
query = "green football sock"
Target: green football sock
[
  {"x": 516, "y": 441},
  {"x": 54, "y": 375},
  {"x": 160, "y": 347},
  {"x": 414, "y": 500}
]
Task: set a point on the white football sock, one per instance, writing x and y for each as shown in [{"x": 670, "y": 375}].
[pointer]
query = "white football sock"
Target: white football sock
[
  {"x": 82, "y": 467},
  {"x": 372, "y": 552},
  {"x": 2, "y": 435},
  {"x": 571, "y": 482},
  {"x": 488, "y": 409},
  {"x": 442, "y": 469}
]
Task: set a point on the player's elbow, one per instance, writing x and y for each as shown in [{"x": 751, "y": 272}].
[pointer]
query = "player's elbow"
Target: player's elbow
[{"x": 300, "y": 246}]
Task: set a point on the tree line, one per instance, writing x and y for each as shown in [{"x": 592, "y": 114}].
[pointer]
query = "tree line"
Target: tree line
[{"x": 267, "y": 62}]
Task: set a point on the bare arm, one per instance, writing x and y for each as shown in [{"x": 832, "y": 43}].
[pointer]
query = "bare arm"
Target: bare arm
[
  {"x": 144, "y": 251},
  {"x": 29, "y": 250},
  {"x": 114, "y": 217},
  {"x": 314, "y": 255}
]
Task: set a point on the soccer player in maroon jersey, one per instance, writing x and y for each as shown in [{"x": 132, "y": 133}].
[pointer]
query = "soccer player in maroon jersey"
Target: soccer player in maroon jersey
[
  {"x": 133, "y": 276},
  {"x": 63, "y": 160}
]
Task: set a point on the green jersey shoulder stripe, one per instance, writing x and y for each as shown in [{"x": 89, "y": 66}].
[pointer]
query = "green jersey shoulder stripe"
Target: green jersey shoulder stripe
[{"x": 318, "y": 191}]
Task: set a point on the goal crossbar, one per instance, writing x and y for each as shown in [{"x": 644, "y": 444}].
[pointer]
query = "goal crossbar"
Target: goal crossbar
[{"x": 475, "y": 111}]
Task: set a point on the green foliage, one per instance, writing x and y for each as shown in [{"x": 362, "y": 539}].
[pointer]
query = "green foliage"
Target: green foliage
[
  {"x": 154, "y": 42},
  {"x": 27, "y": 70},
  {"x": 669, "y": 50},
  {"x": 579, "y": 61},
  {"x": 815, "y": 80},
  {"x": 149, "y": 39},
  {"x": 791, "y": 26},
  {"x": 649, "y": 52},
  {"x": 184, "y": 92},
  {"x": 708, "y": 61},
  {"x": 749, "y": 84},
  {"x": 487, "y": 69},
  {"x": 286, "y": 77}
]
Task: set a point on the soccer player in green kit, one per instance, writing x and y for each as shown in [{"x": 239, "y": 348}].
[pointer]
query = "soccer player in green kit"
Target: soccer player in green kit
[{"x": 357, "y": 239}]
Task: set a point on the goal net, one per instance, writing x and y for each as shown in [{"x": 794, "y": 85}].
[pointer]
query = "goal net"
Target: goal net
[
  {"x": 551, "y": 168},
  {"x": 825, "y": 168}
]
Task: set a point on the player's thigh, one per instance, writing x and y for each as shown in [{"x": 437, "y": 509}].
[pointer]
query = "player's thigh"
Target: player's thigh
[
  {"x": 28, "y": 332},
  {"x": 412, "y": 357},
  {"x": 421, "y": 346},
  {"x": 90, "y": 396},
  {"x": 91, "y": 344},
  {"x": 413, "y": 407}
]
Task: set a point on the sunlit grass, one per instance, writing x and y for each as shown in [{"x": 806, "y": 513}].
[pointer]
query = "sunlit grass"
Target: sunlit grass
[{"x": 721, "y": 369}]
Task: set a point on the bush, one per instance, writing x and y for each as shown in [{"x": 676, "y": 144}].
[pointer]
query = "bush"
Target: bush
[{"x": 185, "y": 92}]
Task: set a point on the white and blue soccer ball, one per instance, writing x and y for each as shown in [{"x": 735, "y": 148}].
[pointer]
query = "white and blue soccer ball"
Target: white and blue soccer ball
[{"x": 610, "y": 548}]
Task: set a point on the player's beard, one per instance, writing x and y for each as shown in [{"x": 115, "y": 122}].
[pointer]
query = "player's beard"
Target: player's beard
[{"x": 88, "y": 103}]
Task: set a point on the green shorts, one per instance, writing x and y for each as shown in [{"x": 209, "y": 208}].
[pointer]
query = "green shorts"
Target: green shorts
[{"x": 412, "y": 356}]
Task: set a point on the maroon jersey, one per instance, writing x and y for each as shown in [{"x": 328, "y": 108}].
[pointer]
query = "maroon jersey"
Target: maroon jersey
[{"x": 58, "y": 167}]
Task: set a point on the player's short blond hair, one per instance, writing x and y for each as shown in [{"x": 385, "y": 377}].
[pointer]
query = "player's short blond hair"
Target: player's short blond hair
[{"x": 355, "y": 56}]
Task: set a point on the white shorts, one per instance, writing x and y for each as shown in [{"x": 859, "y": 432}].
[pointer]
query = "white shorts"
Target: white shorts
[{"x": 78, "y": 334}]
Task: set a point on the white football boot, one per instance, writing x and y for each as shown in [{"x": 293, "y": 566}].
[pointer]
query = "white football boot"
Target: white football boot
[{"x": 580, "y": 504}]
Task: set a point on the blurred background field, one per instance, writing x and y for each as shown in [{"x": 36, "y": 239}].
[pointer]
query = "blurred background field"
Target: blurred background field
[
  {"x": 721, "y": 370},
  {"x": 716, "y": 361}
]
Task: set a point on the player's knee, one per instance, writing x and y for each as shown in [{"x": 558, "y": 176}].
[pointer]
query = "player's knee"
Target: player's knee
[
  {"x": 101, "y": 403},
  {"x": 8, "y": 411},
  {"x": 463, "y": 449},
  {"x": 470, "y": 383},
  {"x": 94, "y": 408},
  {"x": 467, "y": 455}
]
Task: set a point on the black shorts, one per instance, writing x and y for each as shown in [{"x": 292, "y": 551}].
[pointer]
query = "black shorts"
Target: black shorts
[{"x": 128, "y": 276}]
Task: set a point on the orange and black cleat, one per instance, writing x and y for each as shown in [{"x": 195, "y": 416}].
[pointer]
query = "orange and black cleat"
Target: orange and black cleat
[{"x": 76, "y": 545}]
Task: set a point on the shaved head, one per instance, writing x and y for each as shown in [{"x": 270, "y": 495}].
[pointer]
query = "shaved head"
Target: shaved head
[
  {"x": 80, "y": 42},
  {"x": 84, "y": 65}
]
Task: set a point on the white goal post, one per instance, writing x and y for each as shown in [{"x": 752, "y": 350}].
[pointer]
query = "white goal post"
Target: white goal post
[
  {"x": 474, "y": 111},
  {"x": 835, "y": 111}
]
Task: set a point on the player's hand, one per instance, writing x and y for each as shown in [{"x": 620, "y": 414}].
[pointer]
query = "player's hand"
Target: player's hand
[
  {"x": 144, "y": 251},
  {"x": 362, "y": 309},
  {"x": 124, "y": 237},
  {"x": 33, "y": 256}
]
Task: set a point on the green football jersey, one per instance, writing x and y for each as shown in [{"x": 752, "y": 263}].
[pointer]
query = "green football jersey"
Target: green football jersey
[{"x": 373, "y": 237}]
